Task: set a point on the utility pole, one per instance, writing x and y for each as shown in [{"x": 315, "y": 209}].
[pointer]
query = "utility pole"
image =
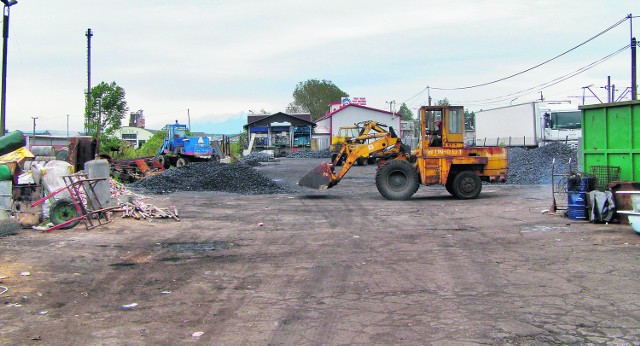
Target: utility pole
[
  {"x": 98, "y": 127},
  {"x": 634, "y": 83},
  {"x": 5, "y": 38},
  {"x": 89, "y": 34},
  {"x": 34, "y": 131}
]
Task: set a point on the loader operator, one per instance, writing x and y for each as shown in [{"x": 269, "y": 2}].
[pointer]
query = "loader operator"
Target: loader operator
[{"x": 437, "y": 138}]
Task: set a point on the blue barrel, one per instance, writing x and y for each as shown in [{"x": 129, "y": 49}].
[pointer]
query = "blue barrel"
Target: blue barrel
[
  {"x": 587, "y": 184},
  {"x": 577, "y": 205}
]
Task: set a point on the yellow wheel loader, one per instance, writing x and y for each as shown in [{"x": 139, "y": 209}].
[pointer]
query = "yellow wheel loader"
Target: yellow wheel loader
[{"x": 441, "y": 157}]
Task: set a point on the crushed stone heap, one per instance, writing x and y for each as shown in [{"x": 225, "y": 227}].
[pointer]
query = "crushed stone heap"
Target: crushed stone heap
[
  {"x": 211, "y": 176},
  {"x": 533, "y": 166},
  {"x": 310, "y": 154}
]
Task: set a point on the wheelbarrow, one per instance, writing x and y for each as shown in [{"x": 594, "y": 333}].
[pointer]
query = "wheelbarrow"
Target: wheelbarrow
[{"x": 83, "y": 204}]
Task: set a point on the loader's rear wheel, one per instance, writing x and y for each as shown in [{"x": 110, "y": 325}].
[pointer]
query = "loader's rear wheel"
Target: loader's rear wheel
[
  {"x": 361, "y": 161},
  {"x": 466, "y": 185},
  {"x": 182, "y": 162},
  {"x": 397, "y": 180},
  {"x": 164, "y": 161},
  {"x": 62, "y": 211}
]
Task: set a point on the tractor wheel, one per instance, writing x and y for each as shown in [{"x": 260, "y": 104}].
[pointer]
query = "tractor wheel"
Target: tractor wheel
[
  {"x": 62, "y": 211},
  {"x": 361, "y": 161},
  {"x": 397, "y": 180},
  {"x": 164, "y": 161},
  {"x": 333, "y": 157},
  {"x": 182, "y": 162},
  {"x": 466, "y": 185}
]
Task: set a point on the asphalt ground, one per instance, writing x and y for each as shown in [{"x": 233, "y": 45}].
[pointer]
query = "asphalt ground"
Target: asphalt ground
[{"x": 334, "y": 267}]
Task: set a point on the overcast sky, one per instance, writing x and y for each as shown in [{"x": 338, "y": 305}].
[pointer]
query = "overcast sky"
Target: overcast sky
[{"x": 220, "y": 58}]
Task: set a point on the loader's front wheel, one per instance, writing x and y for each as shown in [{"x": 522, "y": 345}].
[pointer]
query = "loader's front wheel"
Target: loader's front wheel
[
  {"x": 466, "y": 185},
  {"x": 397, "y": 180}
]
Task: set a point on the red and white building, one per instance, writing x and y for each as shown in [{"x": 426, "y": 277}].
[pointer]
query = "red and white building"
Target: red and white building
[{"x": 348, "y": 114}]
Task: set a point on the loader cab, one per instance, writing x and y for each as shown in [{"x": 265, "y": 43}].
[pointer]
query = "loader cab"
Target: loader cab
[{"x": 442, "y": 126}]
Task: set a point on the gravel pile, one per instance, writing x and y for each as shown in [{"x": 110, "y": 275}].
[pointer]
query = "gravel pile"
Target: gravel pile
[
  {"x": 211, "y": 176},
  {"x": 310, "y": 154},
  {"x": 8, "y": 227},
  {"x": 533, "y": 166},
  {"x": 254, "y": 159}
]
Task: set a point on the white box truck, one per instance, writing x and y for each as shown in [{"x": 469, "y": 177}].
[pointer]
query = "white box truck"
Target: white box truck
[{"x": 529, "y": 124}]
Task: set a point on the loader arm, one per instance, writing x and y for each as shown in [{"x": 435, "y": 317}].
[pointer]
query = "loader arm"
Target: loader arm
[{"x": 372, "y": 139}]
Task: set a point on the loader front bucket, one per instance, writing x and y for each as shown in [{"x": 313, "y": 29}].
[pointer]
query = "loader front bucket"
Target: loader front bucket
[{"x": 319, "y": 178}]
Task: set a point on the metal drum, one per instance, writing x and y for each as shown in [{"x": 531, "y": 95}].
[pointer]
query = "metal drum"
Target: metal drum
[{"x": 577, "y": 209}]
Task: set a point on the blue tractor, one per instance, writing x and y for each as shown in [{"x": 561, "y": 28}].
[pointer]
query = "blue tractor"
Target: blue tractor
[{"x": 178, "y": 149}]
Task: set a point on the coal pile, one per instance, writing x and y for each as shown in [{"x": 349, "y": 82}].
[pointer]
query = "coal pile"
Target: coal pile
[
  {"x": 254, "y": 159},
  {"x": 533, "y": 166},
  {"x": 211, "y": 176},
  {"x": 310, "y": 154}
]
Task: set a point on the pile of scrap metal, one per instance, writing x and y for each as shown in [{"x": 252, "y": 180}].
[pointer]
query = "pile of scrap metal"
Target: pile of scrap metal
[{"x": 128, "y": 171}]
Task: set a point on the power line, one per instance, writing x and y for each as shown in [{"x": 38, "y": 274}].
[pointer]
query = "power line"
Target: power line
[
  {"x": 526, "y": 70},
  {"x": 551, "y": 82}
]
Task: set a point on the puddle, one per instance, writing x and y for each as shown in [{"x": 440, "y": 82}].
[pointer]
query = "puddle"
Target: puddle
[
  {"x": 539, "y": 228},
  {"x": 196, "y": 246}
]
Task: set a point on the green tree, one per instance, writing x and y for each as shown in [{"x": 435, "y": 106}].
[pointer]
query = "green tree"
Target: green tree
[
  {"x": 152, "y": 145},
  {"x": 407, "y": 114},
  {"x": 105, "y": 110},
  {"x": 314, "y": 96},
  {"x": 469, "y": 120},
  {"x": 443, "y": 102}
]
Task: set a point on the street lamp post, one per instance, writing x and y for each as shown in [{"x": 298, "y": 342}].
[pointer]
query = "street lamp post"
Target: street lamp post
[
  {"x": 5, "y": 36},
  {"x": 34, "y": 132}
]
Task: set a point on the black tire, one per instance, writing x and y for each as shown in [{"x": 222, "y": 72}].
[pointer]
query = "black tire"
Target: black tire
[
  {"x": 62, "y": 211},
  {"x": 182, "y": 162},
  {"x": 361, "y": 161},
  {"x": 397, "y": 180},
  {"x": 466, "y": 185},
  {"x": 449, "y": 184},
  {"x": 164, "y": 161},
  {"x": 333, "y": 157}
]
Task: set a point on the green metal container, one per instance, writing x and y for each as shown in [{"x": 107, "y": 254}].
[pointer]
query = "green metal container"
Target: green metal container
[
  {"x": 611, "y": 139},
  {"x": 5, "y": 172},
  {"x": 11, "y": 142}
]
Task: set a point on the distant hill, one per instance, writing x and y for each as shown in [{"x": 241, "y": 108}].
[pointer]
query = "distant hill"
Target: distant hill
[{"x": 231, "y": 126}]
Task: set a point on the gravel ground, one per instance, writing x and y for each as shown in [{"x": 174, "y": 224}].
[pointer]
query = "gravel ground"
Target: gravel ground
[
  {"x": 533, "y": 166},
  {"x": 211, "y": 176}
]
